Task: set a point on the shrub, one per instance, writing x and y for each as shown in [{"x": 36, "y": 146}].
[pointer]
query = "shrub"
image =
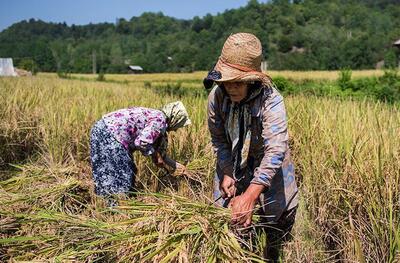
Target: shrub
[
  {"x": 63, "y": 74},
  {"x": 28, "y": 64},
  {"x": 101, "y": 76},
  {"x": 281, "y": 83},
  {"x": 344, "y": 80},
  {"x": 147, "y": 84}
]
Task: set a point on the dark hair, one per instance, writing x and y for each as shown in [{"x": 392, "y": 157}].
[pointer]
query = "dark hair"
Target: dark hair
[{"x": 254, "y": 85}]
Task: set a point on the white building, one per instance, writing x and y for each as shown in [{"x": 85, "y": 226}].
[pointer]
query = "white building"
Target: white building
[
  {"x": 397, "y": 44},
  {"x": 7, "y": 67},
  {"x": 135, "y": 69}
]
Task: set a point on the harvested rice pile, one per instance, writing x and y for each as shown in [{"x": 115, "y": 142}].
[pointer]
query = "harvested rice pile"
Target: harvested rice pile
[{"x": 53, "y": 214}]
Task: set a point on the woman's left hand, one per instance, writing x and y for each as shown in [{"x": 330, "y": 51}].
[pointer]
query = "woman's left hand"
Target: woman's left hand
[
  {"x": 243, "y": 205},
  {"x": 242, "y": 209}
]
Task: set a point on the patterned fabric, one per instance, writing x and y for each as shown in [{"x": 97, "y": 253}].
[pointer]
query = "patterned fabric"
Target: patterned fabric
[
  {"x": 238, "y": 127},
  {"x": 137, "y": 128},
  {"x": 112, "y": 165},
  {"x": 212, "y": 76},
  {"x": 269, "y": 162},
  {"x": 177, "y": 116},
  {"x": 239, "y": 132}
]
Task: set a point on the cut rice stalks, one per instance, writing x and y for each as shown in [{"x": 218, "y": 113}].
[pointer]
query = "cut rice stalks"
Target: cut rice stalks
[
  {"x": 151, "y": 228},
  {"x": 38, "y": 187}
]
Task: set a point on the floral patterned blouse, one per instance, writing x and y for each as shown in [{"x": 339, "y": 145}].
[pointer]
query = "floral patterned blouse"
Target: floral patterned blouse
[{"x": 138, "y": 128}]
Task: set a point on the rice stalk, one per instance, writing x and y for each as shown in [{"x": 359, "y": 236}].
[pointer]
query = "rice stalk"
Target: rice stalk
[
  {"x": 151, "y": 226},
  {"x": 37, "y": 187}
]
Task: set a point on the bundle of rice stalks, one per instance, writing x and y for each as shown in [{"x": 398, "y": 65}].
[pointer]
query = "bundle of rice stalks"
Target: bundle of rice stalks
[
  {"x": 195, "y": 180},
  {"x": 151, "y": 228},
  {"x": 198, "y": 169},
  {"x": 36, "y": 187}
]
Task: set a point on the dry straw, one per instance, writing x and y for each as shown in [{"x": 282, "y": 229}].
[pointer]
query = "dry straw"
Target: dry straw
[{"x": 346, "y": 154}]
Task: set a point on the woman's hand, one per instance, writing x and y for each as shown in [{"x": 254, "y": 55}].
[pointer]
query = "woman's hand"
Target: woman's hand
[
  {"x": 242, "y": 209},
  {"x": 243, "y": 205},
  {"x": 180, "y": 169},
  {"x": 227, "y": 187},
  {"x": 157, "y": 159}
]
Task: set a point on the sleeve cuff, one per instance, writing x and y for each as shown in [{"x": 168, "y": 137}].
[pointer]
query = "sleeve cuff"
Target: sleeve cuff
[
  {"x": 148, "y": 151},
  {"x": 262, "y": 179},
  {"x": 227, "y": 168}
]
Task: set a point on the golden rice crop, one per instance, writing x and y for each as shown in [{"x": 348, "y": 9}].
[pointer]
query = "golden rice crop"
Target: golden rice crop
[
  {"x": 346, "y": 154},
  {"x": 49, "y": 220},
  {"x": 198, "y": 76}
]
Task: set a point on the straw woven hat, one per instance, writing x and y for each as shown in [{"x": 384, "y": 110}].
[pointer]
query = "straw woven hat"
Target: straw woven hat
[{"x": 240, "y": 60}]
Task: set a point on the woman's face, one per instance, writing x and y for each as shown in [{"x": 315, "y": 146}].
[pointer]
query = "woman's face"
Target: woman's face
[{"x": 237, "y": 91}]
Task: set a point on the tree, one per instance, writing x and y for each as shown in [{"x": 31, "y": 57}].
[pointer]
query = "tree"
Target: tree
[
  {"x": 332, "y": 34},
  {"x": 285, "y": 44}
]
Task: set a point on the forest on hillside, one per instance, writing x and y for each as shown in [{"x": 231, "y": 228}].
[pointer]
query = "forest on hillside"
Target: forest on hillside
[{"x": 296, "y": 35}]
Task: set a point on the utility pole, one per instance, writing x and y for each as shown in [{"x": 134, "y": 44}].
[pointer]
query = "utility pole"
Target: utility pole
[
  {"x": 94, "y": 62},
  {"x": 264, "y": 66},
  {"x": 397, "y": 44}
]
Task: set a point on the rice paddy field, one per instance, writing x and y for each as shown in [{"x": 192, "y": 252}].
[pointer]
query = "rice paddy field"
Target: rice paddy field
[{"x": 346, "y": 151}]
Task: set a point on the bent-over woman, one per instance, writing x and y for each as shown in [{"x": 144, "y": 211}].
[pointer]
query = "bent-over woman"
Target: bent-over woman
[{"x": 117, "y": 134}]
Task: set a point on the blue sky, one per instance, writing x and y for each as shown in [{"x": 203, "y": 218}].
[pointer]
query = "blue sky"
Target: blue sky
[{"x": 86, "y": 11}]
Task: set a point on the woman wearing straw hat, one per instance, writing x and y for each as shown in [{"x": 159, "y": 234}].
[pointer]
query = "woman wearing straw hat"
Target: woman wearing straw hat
[
  {"x": 118, "y": 133},
  {"x": 248, "y": 125}
]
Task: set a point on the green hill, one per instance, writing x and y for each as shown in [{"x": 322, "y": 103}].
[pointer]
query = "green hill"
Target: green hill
[{"x": 297, "y": 35}]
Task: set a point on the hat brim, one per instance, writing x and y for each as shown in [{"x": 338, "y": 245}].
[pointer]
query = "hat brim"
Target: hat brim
[{"x": 230, "y": 74}]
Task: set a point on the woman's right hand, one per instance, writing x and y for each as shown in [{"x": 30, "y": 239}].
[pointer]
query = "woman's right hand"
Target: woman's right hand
[{"x": 228, "y": 187}]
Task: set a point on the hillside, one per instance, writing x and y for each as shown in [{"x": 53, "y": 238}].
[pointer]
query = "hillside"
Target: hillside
[{"x": 297, "y": 35}]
